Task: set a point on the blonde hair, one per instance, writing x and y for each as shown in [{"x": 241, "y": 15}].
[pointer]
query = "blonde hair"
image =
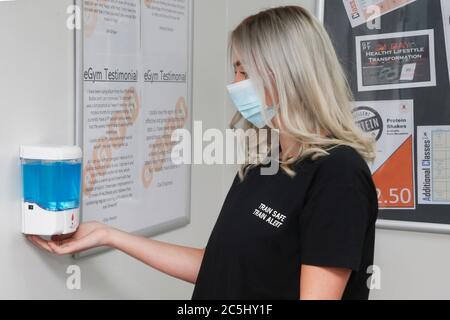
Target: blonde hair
[{"x": 288, "y": 52}]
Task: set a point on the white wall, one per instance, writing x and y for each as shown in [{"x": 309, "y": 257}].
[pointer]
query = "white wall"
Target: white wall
[
  {"x": 413, "y": 265},
  {"x": 36, "y": 94}
]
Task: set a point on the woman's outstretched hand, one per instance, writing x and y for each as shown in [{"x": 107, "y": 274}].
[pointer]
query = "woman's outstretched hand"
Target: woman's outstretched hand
[
  {"x": 88, "y": 236},
  {"x": 177, "y": 261}
]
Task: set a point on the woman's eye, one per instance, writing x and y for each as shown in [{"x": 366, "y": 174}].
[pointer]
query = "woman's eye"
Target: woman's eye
[{"x": 242, "y": 73}]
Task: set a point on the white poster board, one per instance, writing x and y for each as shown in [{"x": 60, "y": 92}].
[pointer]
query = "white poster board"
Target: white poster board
[{"x": 134, "y": 88}]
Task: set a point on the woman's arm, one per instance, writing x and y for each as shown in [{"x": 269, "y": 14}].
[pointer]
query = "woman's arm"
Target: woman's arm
[
  {"x": 176, "y": 261},
  {"x": 318, "y": 283},
  {"x": 180, "y": 262}
]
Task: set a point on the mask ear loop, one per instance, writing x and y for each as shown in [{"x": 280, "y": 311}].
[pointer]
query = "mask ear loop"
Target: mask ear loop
[
  {"x": 275, "y": 149},
  {"x": 270, "y": 134},
  {"x": 268, "y": 118},
  {"x": 269, "y": 114}
]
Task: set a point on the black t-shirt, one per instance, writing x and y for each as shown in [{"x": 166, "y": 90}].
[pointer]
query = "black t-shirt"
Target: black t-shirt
[{"x": 270, "y": 226}]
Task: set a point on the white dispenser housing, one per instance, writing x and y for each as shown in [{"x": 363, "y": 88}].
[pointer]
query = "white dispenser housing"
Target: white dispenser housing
[{"x": 51, "y": 178}]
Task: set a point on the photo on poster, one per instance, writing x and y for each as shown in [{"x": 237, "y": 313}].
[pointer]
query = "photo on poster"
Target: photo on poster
[
  {"x": 433, "y": 153},
  {"x": 362, "y": 11},
  {"x": 391, "y": 124},
  {"x": 445, "y": 4},
  {"x": 396, "y": 61}
]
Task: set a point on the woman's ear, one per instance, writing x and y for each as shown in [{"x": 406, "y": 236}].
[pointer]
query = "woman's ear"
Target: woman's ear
[
  {"x": 276, "y": 122},
  {"x": 271, "y": 101},
  {"x": 268, "y": 98}
]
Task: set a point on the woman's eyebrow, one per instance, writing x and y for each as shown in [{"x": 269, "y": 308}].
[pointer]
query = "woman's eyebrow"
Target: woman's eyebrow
[{"x": 237, "y": 64}]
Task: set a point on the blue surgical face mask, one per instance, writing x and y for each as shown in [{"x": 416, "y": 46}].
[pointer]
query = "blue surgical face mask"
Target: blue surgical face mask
[{"x": 247, "y": 101}]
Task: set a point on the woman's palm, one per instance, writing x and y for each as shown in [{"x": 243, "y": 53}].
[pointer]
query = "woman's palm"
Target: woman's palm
[{"x": 89, "y": 235}]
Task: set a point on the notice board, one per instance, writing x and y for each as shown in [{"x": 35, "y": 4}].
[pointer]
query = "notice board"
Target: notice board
[
  {"x": 396, "y": 54},
  {"x": 134, "y": 89}
]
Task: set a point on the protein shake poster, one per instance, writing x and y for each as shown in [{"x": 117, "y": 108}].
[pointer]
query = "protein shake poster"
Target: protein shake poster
[
  {"x": 396, "y": 61},
  {"x": 391, "y": 123}
]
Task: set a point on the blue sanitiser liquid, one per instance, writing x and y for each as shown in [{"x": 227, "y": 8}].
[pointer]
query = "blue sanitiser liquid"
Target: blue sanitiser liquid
[{"x": 52, "y": 185}]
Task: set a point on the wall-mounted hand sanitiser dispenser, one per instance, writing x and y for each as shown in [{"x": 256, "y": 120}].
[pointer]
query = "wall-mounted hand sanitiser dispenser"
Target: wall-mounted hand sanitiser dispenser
[{"x": 51, "y": 177}]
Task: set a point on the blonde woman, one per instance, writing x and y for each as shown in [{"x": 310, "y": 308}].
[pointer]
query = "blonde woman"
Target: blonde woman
[{"x": 306, "y": 232}]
